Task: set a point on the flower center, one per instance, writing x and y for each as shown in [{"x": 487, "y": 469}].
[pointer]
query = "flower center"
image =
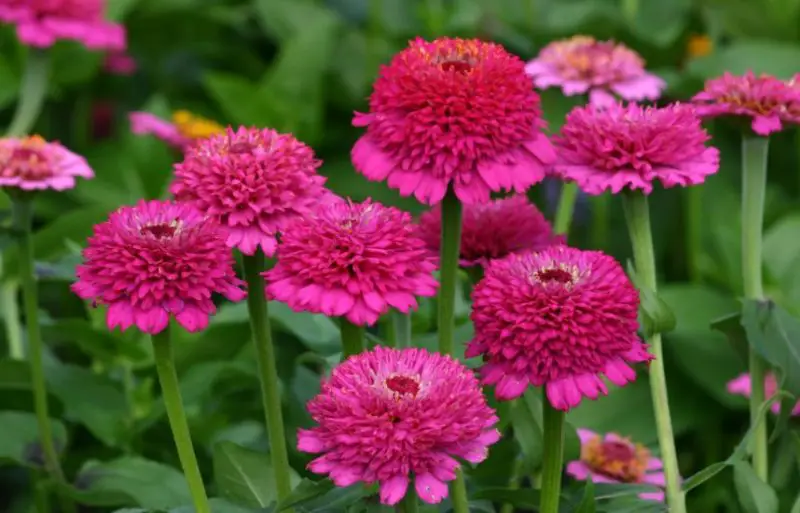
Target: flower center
[
  {"x": 556, "y": 275},
  {"x": 402, "y": 385},
  {"x": 617, "y": 459},
  {"x": 459, "y": 66},
  {"x": 195, "y": 127},
  {"x": 160, "y": 230},
  {"x": 26, "y": 160}
]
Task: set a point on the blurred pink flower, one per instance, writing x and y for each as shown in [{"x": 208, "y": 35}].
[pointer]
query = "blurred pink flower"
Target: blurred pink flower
[
  {"x": 154, "y": 260},
  {"x": 41, "y": 23},
  {"x": 453, "y": 112},
  {"x": 558, "y": 318},
  {"x": 616, "y": 147},
  {"x": 184, "y": 130},
  {"x": 119, "y": 63},
  {"x": 582, "y": 64},
  {"x": 768, "y": 101},
  {"x": 31, "y": 163},
  {"x": 613, "y": 459},
  {"x": 253, "y": 181},
  {"x": 392, "y": 416},
  {"x": 492, "y": 230},
  {"x": 742, "y": 385},
  {"x": 355, "y": 260}
]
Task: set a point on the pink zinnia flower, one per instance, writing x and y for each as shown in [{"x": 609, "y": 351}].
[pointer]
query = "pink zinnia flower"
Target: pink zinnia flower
[
  {"x": 453, "y": 112},
  {"x": 119, "y": 63},
  {"x": 31, "y": 163},
  {"x": 390, "y": 416},
  {"x": 613, "y": 459},
  {"x": 764, "y": 99},
  {"x": 41, "y": 23},
  {"x": 581, "y": 64},
  {"x": 354, "y": 260},
  {"x": 558, "y": 318},
  {"x": 742, "y": 385},
  {"x": 617, "y": 147},
  {"x": 254, "y": 181},
  {"x": 154, "y": 260},
  {"x": 183, "y": 131},
  {"x": 492, "y": 230}
]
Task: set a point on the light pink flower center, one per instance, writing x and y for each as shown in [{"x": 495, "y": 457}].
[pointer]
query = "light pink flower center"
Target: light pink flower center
[
  {"x": 27, "y": 161},
  {"x": 403, "y": 385},
  {"x": 617, "y": 459},
  {"x": 160, "y": 230}
]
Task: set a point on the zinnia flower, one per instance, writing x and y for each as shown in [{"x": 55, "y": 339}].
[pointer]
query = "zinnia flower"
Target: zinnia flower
[
  {"x": 764, "y": 99},
  {"x": 558, "y": 318},
  {"x": 31, "y": 163},
  {"x": 492, "y": 230},
  {"x": 613, "y": 459},
  {"x": 183, "y": 131},
  {"x": 119, "y": 63},
  {"x": 354, "y": 260},
  {"x": 742, "y": 385},
  {"x": 581, "y": 64},
  {"x": 617, "y": 147},
  {"x": 254, "y": 181},
  {"x": 390, "y": 416},
  {"x": 154, "y": 260},
  {"x": 41, "y": 23},
  {"x": 453, "y": 112}
]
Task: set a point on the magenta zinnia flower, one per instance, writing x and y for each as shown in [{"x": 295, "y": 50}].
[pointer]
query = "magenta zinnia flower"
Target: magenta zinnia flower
[
  {"x": 31, "y": 163},
  {"x": 354, "y": 260},
  {"x": 613, "y": 459},
  {"x": 558, "y": 318},
  {"x": 582, "y": 64},
  {"x": 616, "y": 147},
  {"x": 390, "y": 416},
  {"x": 765, "y": 99},
  {"x": 41, "y": 23},
  {"x": 492, "y": 230},
  {"x": 453, "y": 112},
  {"x": 254, "y": 181},
  {"x": 154, "y": 260},
  {"x": 742, "y": 385}
]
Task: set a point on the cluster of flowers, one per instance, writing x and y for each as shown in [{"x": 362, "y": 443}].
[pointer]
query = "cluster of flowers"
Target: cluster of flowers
[{"x": 448, "y": 115}]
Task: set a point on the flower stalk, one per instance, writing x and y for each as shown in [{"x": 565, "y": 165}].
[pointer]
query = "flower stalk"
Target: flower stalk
[
  {"x": 553, "y": 457},
  {"x": 352, "y": 337},
  {"x": 33, "y": 92},
  {"x": 566, "y": 207},
  {"x": 402, "y": 329}
]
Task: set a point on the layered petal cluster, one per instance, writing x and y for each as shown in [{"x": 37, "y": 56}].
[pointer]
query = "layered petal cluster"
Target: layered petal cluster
[
  {"x": 41, "y": 23},
  {"x": 457, "y": 113},
  {"x": 614, "y": 459},
  {"x": 743, "y": 385},
  {"x": 181, "y": 132},
  {"x": 31, "y": 163},
  {"x": 392, "y": 416},
  {"x": 582, "y": 64},
  {"x": 630, "y": 146},
  {"x": 766, "y": 100},
  {"x": 492, "y": 230},
  {"x": 155, "y": 260},
  {"x": 354, "y": 260},
  {"x": 559, "y": 318},
  {"x": 253, "y": 181}
]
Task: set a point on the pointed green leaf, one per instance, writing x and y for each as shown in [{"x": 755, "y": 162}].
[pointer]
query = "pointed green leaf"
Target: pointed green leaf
[
  {"x": 588, "y": 504},
  {"x": 245, "y": 476},
  {"x": 755, "y": 495}
]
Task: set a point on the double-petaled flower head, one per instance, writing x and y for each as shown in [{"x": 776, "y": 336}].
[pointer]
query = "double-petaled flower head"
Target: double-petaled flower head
[
  {"x": 354, "y": 260},
  {"x": 253, "y": 181},
  {"x": 453, "y": 112},
  {"x": 559, "y": 318},
  {"x": 582, "y": 64},
  {"x": 768, "y": 102},
  {"x": 492, "y": 230},
  {"x": 155, "y": 260},
  {"x": 41, "y": 23},
  {"x": 618, "y": 147},
  {"x": 743, "y": 385},
  {"x": 394, "y": 416},
  {"x": 31, "y": 163},
  {"x": 181, "y": 132}
]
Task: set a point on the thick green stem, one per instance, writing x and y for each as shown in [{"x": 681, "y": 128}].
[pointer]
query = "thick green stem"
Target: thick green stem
[
  {"x": 352, "y": 338},
  {"x": 553, "y": 458},
  {"x": 754, "y": 185},
  {"x": 402, "y": 329},
  {"x": 268, "y": 372},
  {"x": 409, "y": 504},
  {"x": 601, "y": 220},
  {"x": 32, "y": 93},
  {"x": 566, "y": 206},
  {"x": 171, "y": 394},
  {"x": 10, "y": 308},
  {"x": 637, "y": 215}
]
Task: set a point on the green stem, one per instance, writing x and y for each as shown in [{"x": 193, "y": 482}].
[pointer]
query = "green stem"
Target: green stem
[
  {"x": 601, "y": 220},
  {"x": 268, "y": 372},
  {"x": 41, "y": 497},
  {"x": 553, "y": 458},
  {"x": 8, "y": 302},
  {"x": 754, "y": 185},
  {"x": 637, "y": 215},
  {"x": 352, "y": 338},
  {"x": 388, "y": 329},
  {"x": 409, "y": 504},
  {"x": 171, "y": 394},
  {"x": 694, "y": 230},
  {"x": 566, "y": 206},
  {"x": 402, "y": 329},
  {"x": 32, "y": 95}
]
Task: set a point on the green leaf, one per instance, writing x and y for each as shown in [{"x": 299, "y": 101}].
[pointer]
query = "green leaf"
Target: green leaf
[
  {"x": 527, "y": 432},
  {"x": 19, "y": 442},
  {"x": 656, "y": 315},
  {"x": 305, "y": 491},
  {"x": 245, "y": 476},
  {"x": 104, "y": 345},
  {"x": 796, "y": 506},
  {"x": 771, "y": 57},
  {"x": 526, "y": 498},
  {"x": 755, "y": 495},
  {"x": 659, "y": 23},
  {"x": 588, "y": 503},
  {"x": 282, "y": 19},
  {"x": 775, "y": 335},
  {"x": 782, "y": 256},
  {"x": 731, "y": 326},
  {"x": 242, "y": 101}
]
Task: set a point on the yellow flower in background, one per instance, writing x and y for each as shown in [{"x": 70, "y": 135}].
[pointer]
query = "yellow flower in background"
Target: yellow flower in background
[
  {"x": 699, "y": 46},
  {"x": 195, "y": 127}
]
